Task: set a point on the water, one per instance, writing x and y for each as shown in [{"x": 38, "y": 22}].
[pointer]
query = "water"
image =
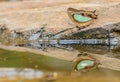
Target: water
[
  {"x": 11, "y": 73},
  {"x": 28, "y": 67},
  {"x": 16, "y": 59},
  {"x": 46, "y": 43}
]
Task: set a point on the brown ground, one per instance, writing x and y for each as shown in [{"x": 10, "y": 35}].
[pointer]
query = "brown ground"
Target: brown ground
[
  {"x": 29, "y": 15},
  {"x": 34, "y": 14}
]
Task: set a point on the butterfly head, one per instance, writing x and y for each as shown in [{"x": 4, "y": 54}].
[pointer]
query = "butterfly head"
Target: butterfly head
[
  {"x": 81, "y": 18},
  {"x": 92, "y": 14}
]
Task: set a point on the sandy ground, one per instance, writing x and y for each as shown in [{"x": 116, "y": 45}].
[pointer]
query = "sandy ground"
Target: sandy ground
[
  {"x": 53, "y": 52},
  {"x": 34, "y": 14},
  {"x": 107, "y": 62}
]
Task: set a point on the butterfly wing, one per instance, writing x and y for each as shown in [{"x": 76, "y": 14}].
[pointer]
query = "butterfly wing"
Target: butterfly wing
[{"x": 80, "y": 18}]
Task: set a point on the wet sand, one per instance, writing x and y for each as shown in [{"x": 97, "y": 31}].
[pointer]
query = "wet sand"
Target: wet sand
[
  {"x": 107, "y": 62},
  {"x": 31, "y": 15}
]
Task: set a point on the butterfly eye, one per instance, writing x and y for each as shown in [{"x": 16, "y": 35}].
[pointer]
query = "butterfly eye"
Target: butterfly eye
[
  {"x": 80, "y": 17},
  {"x": 82, "y": 14}
]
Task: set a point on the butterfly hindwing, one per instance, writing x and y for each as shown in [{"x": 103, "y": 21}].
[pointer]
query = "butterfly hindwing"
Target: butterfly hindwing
[{"x": 81, "y": 18}]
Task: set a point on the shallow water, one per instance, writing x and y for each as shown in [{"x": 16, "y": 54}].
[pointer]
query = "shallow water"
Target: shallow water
[
  {"x": 16, "y": 59},
  {"x": 13, "y": 62},
  {"x": 113, "y": 52}
]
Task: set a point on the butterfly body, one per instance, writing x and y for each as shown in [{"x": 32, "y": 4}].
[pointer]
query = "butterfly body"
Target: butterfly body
[{"x": 81, "y": 18}]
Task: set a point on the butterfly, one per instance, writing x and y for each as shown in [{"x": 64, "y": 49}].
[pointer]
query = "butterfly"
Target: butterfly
[
  {"x": 85, "y": 62},
  {"x": 81, "y": 18}
]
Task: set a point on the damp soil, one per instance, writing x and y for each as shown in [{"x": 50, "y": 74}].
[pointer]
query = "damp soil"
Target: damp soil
[
  {"x": 14, "y": 59},
  {"x": 19, "y": 61},
  {"x": 99, "y": 41}
]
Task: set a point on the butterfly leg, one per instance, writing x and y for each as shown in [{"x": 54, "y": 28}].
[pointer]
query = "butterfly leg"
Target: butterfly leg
[
  {"x": 79, "y": 28},
  {"x": 82, "y": 54}
]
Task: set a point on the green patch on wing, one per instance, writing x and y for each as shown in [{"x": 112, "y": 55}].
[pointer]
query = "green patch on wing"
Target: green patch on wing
[
  {"x": 81, "y": 18},
  {"x": 85, "y": 63}
]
